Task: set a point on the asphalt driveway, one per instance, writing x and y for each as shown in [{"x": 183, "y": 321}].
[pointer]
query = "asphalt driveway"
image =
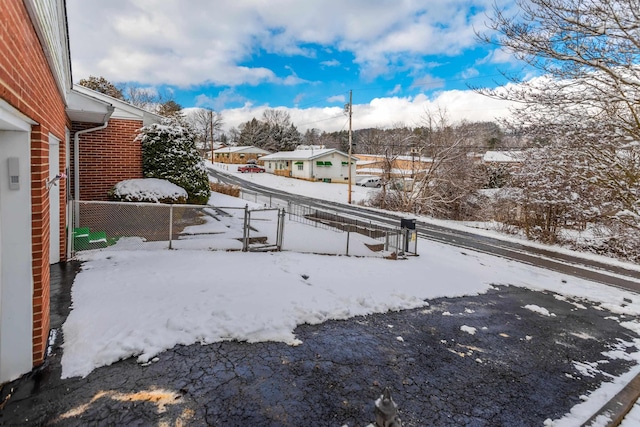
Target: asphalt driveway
[{"x": 487, "y": 360}]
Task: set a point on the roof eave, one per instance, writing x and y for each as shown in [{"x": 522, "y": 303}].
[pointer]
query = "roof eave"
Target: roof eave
[{"x": 84, "y": 108}]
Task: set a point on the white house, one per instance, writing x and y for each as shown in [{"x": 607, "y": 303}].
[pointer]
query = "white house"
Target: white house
[{"x": 312, "y": 163}]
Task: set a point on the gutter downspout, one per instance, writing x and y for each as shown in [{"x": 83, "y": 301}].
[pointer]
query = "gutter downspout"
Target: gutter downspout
[{"x": 76, "y": 178}]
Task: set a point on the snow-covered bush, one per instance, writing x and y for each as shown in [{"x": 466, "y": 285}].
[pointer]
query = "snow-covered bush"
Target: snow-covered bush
[
  {"x": 228, "y": 189},
  {"x": 169, "y": 152},
  {"x": 151, "y": 190}
]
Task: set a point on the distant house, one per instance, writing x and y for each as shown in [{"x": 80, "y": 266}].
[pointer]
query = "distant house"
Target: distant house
[
  {"x": 311, "y": 163},
  {"x": 506, "y": 158},
  {"x": 206, "y": 152},
  {"x": 400, "y": 166},
  {"x": 239, "y": 155}
]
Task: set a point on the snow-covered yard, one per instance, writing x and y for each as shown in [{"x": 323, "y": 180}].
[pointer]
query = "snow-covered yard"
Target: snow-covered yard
[{"x": 139, "y": 303}]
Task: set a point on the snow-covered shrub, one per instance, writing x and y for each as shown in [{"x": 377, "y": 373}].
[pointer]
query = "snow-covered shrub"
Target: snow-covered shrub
[
  {"x": 169, "y": 152},
  {"x": 150, "y": 190},
  {"x": 228, "y": 189}
]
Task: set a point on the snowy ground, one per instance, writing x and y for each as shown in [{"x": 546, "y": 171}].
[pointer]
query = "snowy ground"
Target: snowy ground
[{"x": 141, "y": 302}]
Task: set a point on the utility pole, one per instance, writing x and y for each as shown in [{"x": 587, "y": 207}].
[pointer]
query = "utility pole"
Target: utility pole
[
  {"x": 350, "y": 106},
  {"x": 211, "y": 132}
]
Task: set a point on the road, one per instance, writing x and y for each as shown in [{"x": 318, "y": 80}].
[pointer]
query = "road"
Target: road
[{"x": 557, "y": 261}]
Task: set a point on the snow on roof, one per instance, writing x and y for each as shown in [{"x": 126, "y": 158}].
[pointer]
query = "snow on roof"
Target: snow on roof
[
  {"x": 242, "y": 149},
  {"x": 381, "y": 171},
  {"x": 382, "y": 157},
  {"x": 502, "y": 156},
  {"x": 304, "y": 154}
]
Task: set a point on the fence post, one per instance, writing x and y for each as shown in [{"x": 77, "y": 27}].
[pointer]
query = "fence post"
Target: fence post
[
  {"x": 245, "y": 229},
  {"x": 386, "y": 240},
  {"x": 398, "y": 233},
  {"x": 280, "y": 237},
  {"x": 348, "y": 234},
  {"x": 170, "y": 225}
]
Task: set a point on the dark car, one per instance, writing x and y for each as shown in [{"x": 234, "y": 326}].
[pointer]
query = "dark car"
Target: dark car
[{"x": 250, "y": 168}]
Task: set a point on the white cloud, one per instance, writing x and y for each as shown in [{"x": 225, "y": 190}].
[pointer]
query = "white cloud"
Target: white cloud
[
  {"x": 499, "y": 56},
  {"x": 383, "y": 112},
  {"x": 396, "y": 89},
  {"x": 298, "y": 98},
  {"x": 336, "y": 98},
  {"x": 217, "y": 103},
  {"x": 292, "y": 79},
  {"x": 469, "y": 73},
  {"x": 332, "y": 63},
  {"x": 167, "y": 42},
  {"x": 428, "y": 82}
]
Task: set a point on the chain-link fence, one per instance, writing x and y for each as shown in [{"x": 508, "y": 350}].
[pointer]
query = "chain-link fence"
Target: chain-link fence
[
  {"x": 393, "y": 239},
  {"x": 133, "y": 226}
]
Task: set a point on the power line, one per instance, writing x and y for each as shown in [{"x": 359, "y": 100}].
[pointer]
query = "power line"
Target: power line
[
  {"x": 434, "y": 83},
  {"x": 317, "y": 121},
  {"x": 318, "y": 101},
  {"x": 373, "y": 88}
]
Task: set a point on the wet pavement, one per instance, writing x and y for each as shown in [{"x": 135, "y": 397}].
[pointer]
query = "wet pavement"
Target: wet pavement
[{"x": 518, "y": 369}]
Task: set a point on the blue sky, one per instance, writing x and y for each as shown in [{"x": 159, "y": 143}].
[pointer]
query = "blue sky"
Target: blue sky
[{"x": 400, "y": 58}]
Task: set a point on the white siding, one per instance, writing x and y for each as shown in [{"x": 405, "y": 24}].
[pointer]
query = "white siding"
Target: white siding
[
  {"x": 16, "y": 284},
  {"x": 49, "y": 19}
]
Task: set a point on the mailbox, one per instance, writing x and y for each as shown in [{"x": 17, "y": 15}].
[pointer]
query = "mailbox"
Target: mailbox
[{"x": 408, "y": 223}]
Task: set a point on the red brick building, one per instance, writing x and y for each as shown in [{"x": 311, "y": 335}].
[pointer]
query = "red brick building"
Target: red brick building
[
  {"x": 44, "y": 122},
  {"x": 111, "y": 154}
]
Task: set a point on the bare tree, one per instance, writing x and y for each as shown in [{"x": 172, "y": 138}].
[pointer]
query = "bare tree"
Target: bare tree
[
  {"x": 144, "y": 98},
  {"x": 450, "y": 177},
  {"x": 282, "y": 134},
  {"x": 585, "y": 103},
  {"x": 206, "y": 125},
  {"x": 444, "y": 177},
  {"x": 147, "y": 98}
]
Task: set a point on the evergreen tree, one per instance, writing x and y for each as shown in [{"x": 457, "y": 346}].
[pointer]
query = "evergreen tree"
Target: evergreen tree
[
  {"x": 169, "y": 152},
  {"x": 169, "y": 109},
  {"x": 253, "y": 132}
]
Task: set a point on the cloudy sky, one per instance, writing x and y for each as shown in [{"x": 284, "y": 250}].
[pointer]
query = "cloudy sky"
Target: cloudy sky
[{"x": 400, "y": 58}]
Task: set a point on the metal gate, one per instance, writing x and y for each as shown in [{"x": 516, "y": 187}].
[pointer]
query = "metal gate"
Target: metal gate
[{"x": 260, "y": 242}]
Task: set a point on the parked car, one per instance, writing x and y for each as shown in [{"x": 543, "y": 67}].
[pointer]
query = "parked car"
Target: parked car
[
  {"x": 370, "y": 182},
  {"x": 250, "y": 168}
]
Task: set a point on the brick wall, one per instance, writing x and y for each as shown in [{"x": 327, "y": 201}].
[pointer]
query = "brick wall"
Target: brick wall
[
  {"x": 108, "y": 156},
  {"x": 236, "y": 158},
  {"x": 26, "y": 84}
]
